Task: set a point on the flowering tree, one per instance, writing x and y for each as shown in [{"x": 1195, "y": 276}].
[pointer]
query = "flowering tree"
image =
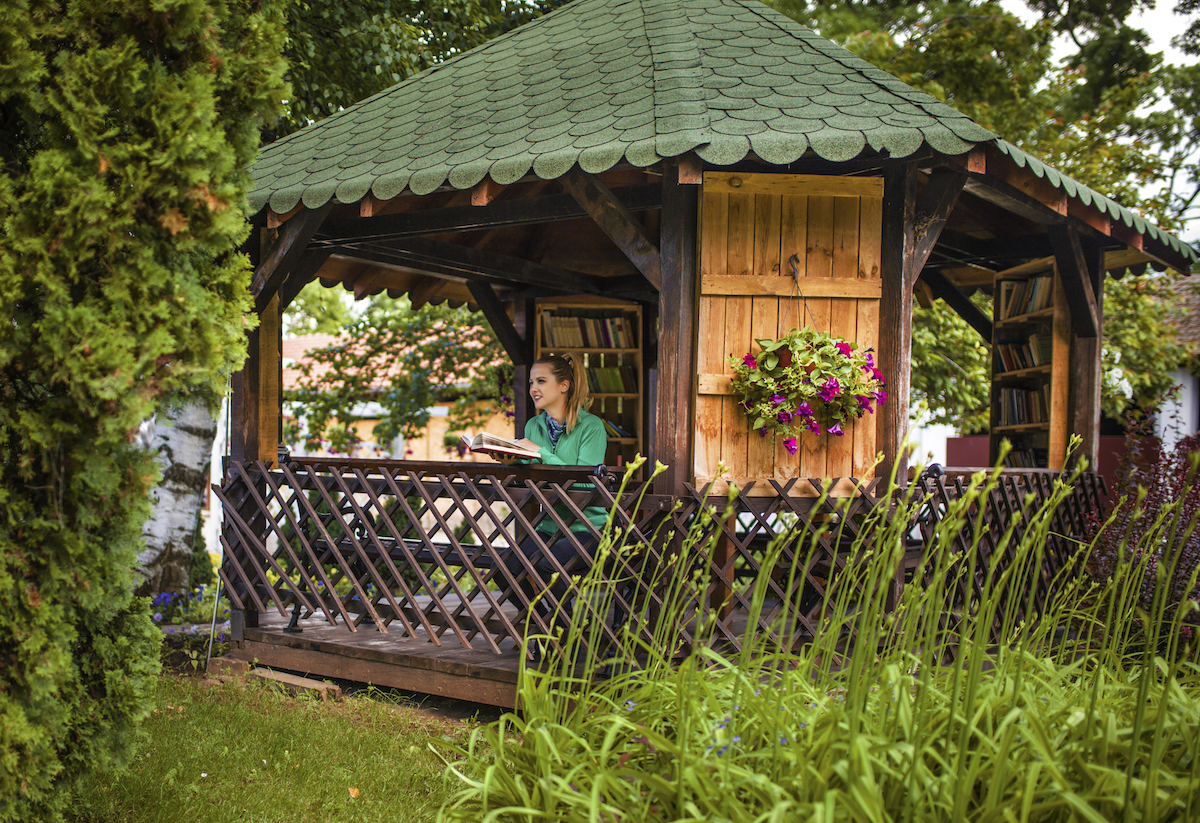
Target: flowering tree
[{"x": 406, "y": 361}]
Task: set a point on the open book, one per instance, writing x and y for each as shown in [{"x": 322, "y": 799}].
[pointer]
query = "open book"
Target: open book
[{"x": 484, "y": 442}]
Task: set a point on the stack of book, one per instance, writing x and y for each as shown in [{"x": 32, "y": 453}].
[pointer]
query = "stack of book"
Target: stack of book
[
  {"x": 589, "y": 332},
  {"x": 1024, "y": 354},
  {"x": 1021, "y": 406},
  {"x": 1026, "y": 459},
  {"x": 612, "y": 380},
  {"x": 614, "y": 430},
  {"x": 1018, "y": 297}
]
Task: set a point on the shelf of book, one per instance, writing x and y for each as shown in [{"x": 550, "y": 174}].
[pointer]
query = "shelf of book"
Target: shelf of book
[
  {"x": 1030, "y": 366},
  {"x": 607, "y": 334}
]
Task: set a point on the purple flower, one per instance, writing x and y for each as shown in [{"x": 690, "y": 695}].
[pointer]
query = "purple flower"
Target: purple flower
[
  {"x": 784, "y": 416},
  {"x": 876, "y": 374},
  {"x": 836, "y": 428},
  {"x": 790, "y": 445},
  {"x": 864, "y": 403},
  {"x": 844, "y": 348},
  {"x": 831, "y": 389},
  {"x": 870, "y": 358},
  {"x": 750, "y": 361},
  {"x": 804, "y": 410},
  {"x": 880, "y": 398},
  {"x": 776, "y": 399},
  {"x": 158, "y": 617},
  {"x": 814, "y": 426},
  {"x": 762, "y": 432}
]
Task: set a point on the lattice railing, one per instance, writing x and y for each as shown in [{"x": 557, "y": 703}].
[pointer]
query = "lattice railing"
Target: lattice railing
[{"x": 428, "y": 550}]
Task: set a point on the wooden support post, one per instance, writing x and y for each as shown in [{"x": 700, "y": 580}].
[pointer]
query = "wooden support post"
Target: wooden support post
[
  {"x": 895, "y": 318},
  {"x": 1084, "y": 402},
  {"x": 256, "y": 402},
  {"x": 1073, "y": 269},
  {"x": 677, "y": 306},
  {"x": 525, "y": 323}
]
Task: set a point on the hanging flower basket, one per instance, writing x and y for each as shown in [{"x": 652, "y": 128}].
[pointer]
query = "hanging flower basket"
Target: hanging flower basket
[{"x": 806, "y": 381}]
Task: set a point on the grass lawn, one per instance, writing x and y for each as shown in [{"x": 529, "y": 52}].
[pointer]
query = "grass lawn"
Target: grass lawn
[{"x": 250, "y": 752}]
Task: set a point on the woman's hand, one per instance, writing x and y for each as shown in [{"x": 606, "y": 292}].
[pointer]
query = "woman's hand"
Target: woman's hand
[{"x": 525, "y": 443}]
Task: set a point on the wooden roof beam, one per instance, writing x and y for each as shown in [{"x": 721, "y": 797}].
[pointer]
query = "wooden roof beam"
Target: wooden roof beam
[
  {"x": 502, "y": 325},
  {"x": 497, "y": 214},
  {"x": 616, "y": 221}
]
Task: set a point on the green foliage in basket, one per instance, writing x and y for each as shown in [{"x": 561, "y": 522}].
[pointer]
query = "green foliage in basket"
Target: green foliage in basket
[{"x": 806, "y": 381}]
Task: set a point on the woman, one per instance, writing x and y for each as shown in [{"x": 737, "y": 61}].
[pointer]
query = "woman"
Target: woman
[{"x": 563, "y": 433}]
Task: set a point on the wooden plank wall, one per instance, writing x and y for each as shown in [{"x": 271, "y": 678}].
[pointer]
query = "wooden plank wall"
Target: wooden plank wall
[{"x": 751, "y": 225}]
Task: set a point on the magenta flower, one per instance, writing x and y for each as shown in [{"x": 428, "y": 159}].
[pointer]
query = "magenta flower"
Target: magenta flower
[
  {"x": 784, "y": 416},
  {"x": 870, "y": 358},
  {"x": 804, "y": 410},
  {"x": 864, "y": 403},
  {"x": 762, "y": 432},
  {"x": 876, "y": 374},
  {"x": 830, "y": 390},
  {"x": 750, "y": 361},
  {"x": 836, "y": 428},
  {"x": 844, "y": 348},
  {"x": 814, "y": 426},
  {"x": 880, "y": 398},
  {"x": 776, "y": 399},
  {"x": 790, "y": 445}
]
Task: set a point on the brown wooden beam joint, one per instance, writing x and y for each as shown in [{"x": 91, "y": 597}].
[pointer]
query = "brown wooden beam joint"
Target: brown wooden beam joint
[
  {"x": 1077, "y": 281},
  {"x": 616, "y": 221}
]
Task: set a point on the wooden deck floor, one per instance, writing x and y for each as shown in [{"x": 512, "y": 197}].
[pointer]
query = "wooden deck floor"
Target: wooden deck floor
[{"x": 369, "y": 656}]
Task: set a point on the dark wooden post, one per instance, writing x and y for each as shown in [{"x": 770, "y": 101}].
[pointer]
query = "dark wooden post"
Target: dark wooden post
[
  {"x": 677, "y": 305},
  {"x": 895, "y": 318},
  {"x": 255, "y": 406},
  {"x": 1084, "y": 402},
  {"x": 525, "y": 322}
]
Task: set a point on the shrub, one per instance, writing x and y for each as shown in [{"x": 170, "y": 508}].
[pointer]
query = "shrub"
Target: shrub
[
  {"x": 1153, "y": 487},
  {"x": 919, "y": 718},
  {"x": 126, "y": 128}
]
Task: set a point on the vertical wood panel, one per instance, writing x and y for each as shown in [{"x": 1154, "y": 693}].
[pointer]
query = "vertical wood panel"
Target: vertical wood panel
[
  {"x": 793, "y": 239},
  {"x": 711, "y": 334},
  {"x": 870, "y": 233},
  {"x": 814, "y": 451},
  {"x": 764, "y": 312},
  {"x": 895, "y": 318},
  {"x": 738, "y": 339},
  {"x": 843, "y": 319}
]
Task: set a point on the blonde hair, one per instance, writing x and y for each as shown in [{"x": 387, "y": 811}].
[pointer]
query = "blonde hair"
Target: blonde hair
[{"x": 570, "y": 368}]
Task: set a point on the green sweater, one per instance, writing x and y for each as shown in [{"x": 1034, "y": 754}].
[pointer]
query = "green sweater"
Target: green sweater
[{"x": 583, "y": 446}]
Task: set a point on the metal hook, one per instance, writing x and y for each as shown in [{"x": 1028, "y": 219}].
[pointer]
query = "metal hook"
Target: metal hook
[{"x": 794, "y": 261}]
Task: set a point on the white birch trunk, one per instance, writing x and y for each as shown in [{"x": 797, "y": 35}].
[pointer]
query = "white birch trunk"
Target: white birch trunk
[{"x": 183, "y": 443}]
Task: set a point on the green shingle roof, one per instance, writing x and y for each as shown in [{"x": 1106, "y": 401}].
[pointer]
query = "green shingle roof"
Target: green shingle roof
[{"x": 601, "y": 81}]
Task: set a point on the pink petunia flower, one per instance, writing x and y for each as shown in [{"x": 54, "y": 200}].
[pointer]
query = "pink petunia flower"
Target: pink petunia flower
[
  {"x": 831, "y": 389},
  {"x": 864, "y": 403},
  {"x": 804, "y": 410},
  {"x": 880, "y": 398},
  {"x": 836, "y": 428},
  {"x": 784, "y": 416},
  {"x": 790, "y": 445},
  {"x": 814, "y": 426},
  {"x": 777, "y": 399},
  {"x": 844, "y": 348},
  {"x": 750, "y": 361}
]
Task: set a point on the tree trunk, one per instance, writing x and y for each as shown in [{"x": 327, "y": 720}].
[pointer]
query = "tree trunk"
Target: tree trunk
[{"x": 183, "y": 442}]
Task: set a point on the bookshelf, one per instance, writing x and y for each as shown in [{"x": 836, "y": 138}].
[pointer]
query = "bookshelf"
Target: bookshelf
[
  {"x": 607, "y": 334},
  {"x": 1031, "y": 348}
]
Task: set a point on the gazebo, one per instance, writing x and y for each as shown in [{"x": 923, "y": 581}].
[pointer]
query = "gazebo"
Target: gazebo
[{"x": 651, "y": 184}]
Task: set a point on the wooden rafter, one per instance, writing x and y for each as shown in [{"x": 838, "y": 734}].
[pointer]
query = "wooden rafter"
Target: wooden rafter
[
  {"x": 285, "y": 253},
  {"x": 303, "y": 273},
  {"x": 933, "y": 208},
  {"x": 616, "y": 221},
  {"x": 502, "y": 325},
  {"x": 941, "y": 287}
]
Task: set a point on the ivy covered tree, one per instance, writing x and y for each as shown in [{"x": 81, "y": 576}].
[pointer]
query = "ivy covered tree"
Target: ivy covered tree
[{"x": 126, "y": 130}]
